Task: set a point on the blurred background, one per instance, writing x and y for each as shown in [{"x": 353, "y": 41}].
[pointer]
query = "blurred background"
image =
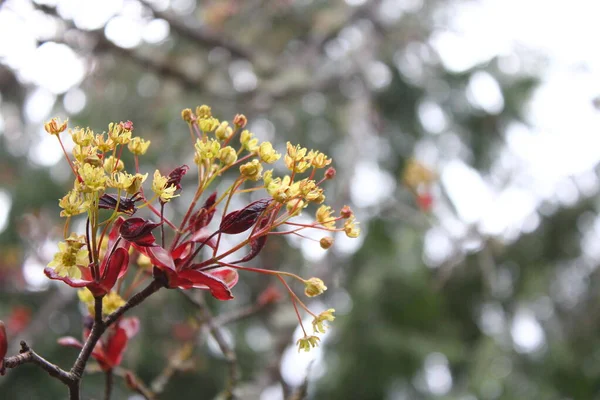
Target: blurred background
[{"x": 465, "y": 137}]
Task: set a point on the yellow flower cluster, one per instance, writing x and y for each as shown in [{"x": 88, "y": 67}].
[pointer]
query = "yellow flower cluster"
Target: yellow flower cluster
[{"x": 110, "y": 302}]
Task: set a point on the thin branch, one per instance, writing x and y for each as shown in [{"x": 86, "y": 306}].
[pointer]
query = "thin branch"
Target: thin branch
[
  {"x": 108, "y": 384},
  {"x": 27, "y": 355},
  {"x": 200, "y": 36},
  {"x": 217, "y": 334}
]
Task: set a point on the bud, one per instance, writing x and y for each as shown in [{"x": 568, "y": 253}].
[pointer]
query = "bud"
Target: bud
[
  {"x": 241, "y": 220},
  {"x": 223, "y": 132},
  {"x": 240, "y": 121},
  {"x": 330, "y": 173},
  {"x": 326, "y": 242},
  {"x": 54, "y": 126},
  {"x": 188, "y": 116},
  {"x": 227, "y": 155},
  {"x": 138, "y": 231},
  {"x": 346, "y": 212},
  {"x": 203, "y": 111},
  {"x": 251, "y": 170},
  {"x": 314, "y": 287}
]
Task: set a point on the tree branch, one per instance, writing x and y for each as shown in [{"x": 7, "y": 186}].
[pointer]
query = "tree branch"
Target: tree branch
[
  {"x": 217, "y": 334},
  {"x": 199, "y": 35}
]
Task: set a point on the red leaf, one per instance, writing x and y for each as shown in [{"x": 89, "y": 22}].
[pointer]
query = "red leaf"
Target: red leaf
[
  {"x": 138, "y": 231},
  {"x": 205, "y": 214},
  {"x": 198, "y": 279},
  {"x": 241, "y": 220},
  {"x": 78, "y": 283},
  {"x": 118, "y": 262},
  {"x": 256, "y": 245},
  {"x": 159, "y": 257},
  {"x": 176, "y": 175}
]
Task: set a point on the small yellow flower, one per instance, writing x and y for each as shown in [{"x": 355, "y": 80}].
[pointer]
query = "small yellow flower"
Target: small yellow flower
[
  {"x": 143, "y": 261},
  {"x": 120, "y": 180},
  {"x": 295, "y": 159},
  {"x": 208, "y": 124},
  {"x": 111, "y": 302},
  {"x": 188, "y": 116},
  {"x": 248, "y": 141},
  {"x": 206, "y": 150},
  {"x": 82, "y": 137},
  {"x": 318, "y": 159},
  {"x": 318, "y": 321},
  {"x": 112, "y": 164},
  {"x": 324, "y": 217},
  {"x": 228, "y": 155},
  {"x": 71, "y": 254},
  {"x": 224, "y": 131},
  {"x": 314, "y": 287},
  {"x": 73, "y": 203},
  {"x": 136, "y": 183},
  {"x": 267, "y": 153},
  {"x": 252, "y": 170},
  {"x": 159, "y": 186},
  {"x": 350, "y": 228},
  {"x": 87, "y": 298},
  {"x": 104, "y": 145},
  {"x": 138, "y": 146},
  {"x": 203, "y": 111},
  {"x": 311, "y": 192},
  {"x": 268, "y": 177},
  {"x": 118, "y": 133},
  {"x": 55, "y": 126},
  {"x": 307, "y": 342},
  {"x": 326, "y": 242},
  {"x": 94, "y": 178},
  {"x": 294, "y": 207}
]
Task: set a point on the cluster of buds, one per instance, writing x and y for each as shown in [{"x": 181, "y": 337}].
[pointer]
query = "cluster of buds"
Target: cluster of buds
[{"x": 97, "y": 260}]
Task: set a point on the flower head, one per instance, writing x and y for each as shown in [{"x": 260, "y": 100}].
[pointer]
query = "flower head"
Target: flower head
[
  {"x": 319, "y": 320},
  {"x": 314, "y": 287},
  {"x": 138, "y": 146},
  {"x": 161, "y": 188},
  {"x": 307, "y": 342},
  {"x": 55, "y": 126},
  {"x": 71, "y": 255}
]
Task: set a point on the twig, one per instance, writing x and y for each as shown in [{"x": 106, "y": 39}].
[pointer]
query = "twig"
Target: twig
[
  {"x": 108, "y": 384},
  {"x": 27, "y": 355},
  {"x": 199, "y": 35},
  {"x": 217, "y": 334}
]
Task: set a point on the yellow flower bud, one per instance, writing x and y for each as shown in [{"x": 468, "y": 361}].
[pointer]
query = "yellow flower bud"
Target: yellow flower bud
[
  {"x": 203, "y": 111},
  {"x": 54, "y": 126},
  {"x": 248, "y": 141},
  {"x": 188, "y": 116},
  {"x": 252, "y": 170},
  {"x": 228, "y": 155},
  {"x": 111, "y": 164},
  {"x": 223, "y": 132},
  {"x": 314, "y": 287},
  {"x": 267, "y": 153},
  {"x": 138, "y": 146},
  {"x": 307, "y": 342}
]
